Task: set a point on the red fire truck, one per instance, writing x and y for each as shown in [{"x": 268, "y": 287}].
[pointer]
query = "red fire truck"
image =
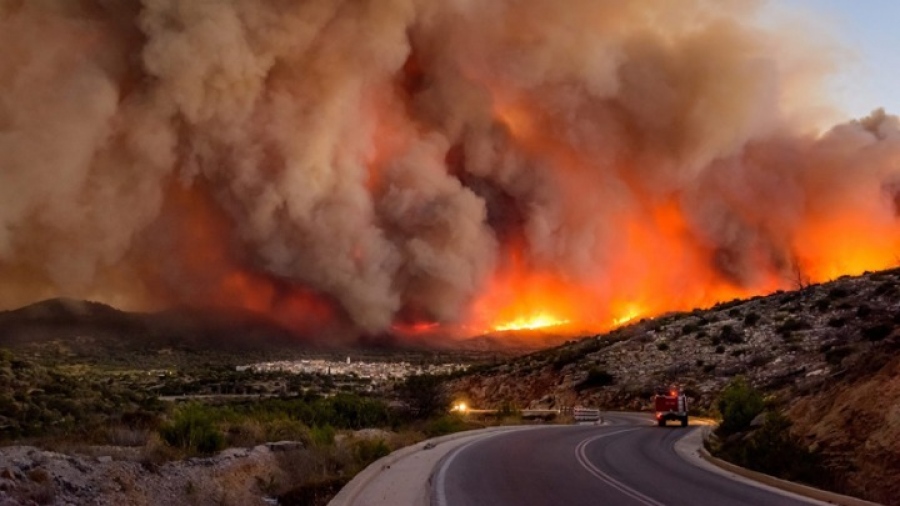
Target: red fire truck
[{"x": 672, "y": 405}]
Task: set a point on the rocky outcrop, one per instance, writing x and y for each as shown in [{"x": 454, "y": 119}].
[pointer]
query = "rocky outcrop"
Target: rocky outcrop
[{"x": 234, "y": 477}]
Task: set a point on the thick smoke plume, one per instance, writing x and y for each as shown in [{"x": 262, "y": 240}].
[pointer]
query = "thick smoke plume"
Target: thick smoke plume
[{"x": 374, "y": 164}]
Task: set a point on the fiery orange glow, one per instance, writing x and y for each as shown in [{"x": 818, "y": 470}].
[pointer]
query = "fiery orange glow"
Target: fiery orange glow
[
  {"x": 201, "y": 249},
  {"x": 534, "y": 322},
  {"x": 247, "y": 291},
  {"x": 630, "y": 313},
  {"x": 416, "y": 328},
  {"x": 659, "y": 256},
  {"x": 847, "y": 245}
]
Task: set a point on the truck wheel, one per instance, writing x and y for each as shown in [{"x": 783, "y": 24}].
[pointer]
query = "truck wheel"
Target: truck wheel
[
  {"x": 661, "y": 422},
  {"x": 684, "y": 422}
]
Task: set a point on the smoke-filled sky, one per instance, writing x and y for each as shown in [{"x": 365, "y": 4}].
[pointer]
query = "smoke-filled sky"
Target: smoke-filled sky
[
  {"x": 368, "y": 166},
  {"x": 867, "y": 33}
]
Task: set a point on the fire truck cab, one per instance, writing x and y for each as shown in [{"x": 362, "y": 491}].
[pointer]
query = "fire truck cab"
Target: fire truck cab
[{"x": 672, "y": 405}]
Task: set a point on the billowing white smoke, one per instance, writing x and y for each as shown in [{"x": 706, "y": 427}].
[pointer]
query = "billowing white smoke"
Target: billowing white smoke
[{"x": 386, "y": 153}]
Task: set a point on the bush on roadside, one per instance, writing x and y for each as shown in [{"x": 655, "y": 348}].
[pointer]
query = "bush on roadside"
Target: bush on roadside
[
  {"x": 738, "y": 405},
  {"x": 446, "y": 424},
  {"x": 367, "y": 451},
  {"x": 774, "y": 450}
]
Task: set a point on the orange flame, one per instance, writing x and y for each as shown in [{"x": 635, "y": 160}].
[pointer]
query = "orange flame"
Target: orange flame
[{"x": 533, "y": 322}]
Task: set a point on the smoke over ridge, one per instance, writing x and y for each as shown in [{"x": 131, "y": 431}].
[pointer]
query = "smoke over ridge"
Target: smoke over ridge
[{"x": 375, "y": 164}]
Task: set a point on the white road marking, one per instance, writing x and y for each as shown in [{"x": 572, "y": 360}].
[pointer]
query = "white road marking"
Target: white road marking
[
  {"x": 440, "y": 486},
  {"x": 581, "y": 456}
]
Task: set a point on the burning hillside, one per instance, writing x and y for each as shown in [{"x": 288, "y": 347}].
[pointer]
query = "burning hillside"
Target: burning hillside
[{"x": 443, "y": 167}]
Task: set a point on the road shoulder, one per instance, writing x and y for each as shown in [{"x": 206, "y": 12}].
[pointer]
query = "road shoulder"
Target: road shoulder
[{"x": 690, "y": 448}]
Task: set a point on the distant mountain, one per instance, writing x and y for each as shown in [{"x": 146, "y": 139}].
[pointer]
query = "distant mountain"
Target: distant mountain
[
  {"x": 828, "y": 355},
  {"x": 94, "y": 329},
  {"x": 76, "y": 328}
]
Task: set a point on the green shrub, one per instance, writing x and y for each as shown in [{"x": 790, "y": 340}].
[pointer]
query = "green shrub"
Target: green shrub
[
  {"x": 446, "y": 424},
  {"x": 738, "y": 404},
  {"x": 355, "y": 412},
  {"x": 289, "y": 415},
  {"x": 368, "y": 451},
  {"x": 322, "y": 435},
  {"x": 284, "y": 429},
  {"x": 192, "y": 429},
  {"x": 772, "y": 449}
]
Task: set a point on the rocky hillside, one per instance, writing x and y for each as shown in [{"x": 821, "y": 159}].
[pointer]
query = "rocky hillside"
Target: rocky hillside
[
  {"x": 828, "y": 355},
  {"x": 855, "y": 422}
]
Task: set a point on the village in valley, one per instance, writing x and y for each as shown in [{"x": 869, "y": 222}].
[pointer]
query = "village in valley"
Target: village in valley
[{"x": 375, "y": 373}]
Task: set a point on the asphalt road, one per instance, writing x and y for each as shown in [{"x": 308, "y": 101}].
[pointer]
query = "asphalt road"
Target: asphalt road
[{"x": 629, "y": 462}]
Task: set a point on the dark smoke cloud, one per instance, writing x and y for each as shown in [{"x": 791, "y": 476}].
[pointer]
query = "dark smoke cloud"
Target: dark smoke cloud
[{"x": 388, "y": 155}]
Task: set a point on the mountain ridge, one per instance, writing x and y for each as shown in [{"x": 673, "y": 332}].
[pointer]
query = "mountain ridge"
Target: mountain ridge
[{"x": 92, "y": 328}]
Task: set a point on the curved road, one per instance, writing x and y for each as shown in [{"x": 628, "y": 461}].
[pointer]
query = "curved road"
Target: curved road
[{"x": 626, "y": 463}]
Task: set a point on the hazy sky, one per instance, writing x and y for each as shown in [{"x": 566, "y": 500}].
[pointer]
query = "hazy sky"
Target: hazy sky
[{"x": 869, "y": 30}]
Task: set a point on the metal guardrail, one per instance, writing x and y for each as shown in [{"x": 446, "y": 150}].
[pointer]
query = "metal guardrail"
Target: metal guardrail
[{"x": 582, "y": 414}]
